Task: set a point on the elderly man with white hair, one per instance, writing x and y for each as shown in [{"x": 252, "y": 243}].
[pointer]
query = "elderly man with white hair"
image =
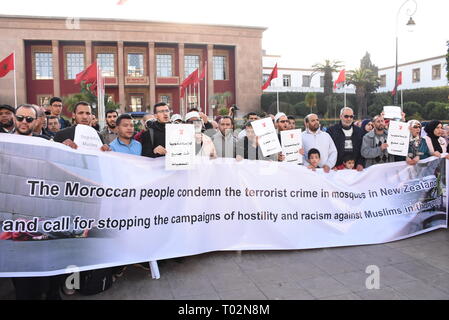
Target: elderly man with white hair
[
  {"x": 314, "y": 138},
  {"x": 348, "y": 138}
]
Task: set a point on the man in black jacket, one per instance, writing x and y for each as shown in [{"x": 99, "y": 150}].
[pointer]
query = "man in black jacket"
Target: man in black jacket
[
  {"x": 347, "y": 138},
  {"x": 83, "y": 115},
  {"x": 7, "y": 118},
  {"x": 153, "y": 139}
]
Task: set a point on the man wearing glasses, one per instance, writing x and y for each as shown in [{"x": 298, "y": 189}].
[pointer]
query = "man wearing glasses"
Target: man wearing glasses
[
  {"x": 153, "y": 139},
  {"x": 56, "y": 110},
  {"x": 347, "y": 138},
  {"x": 26, "y": 120},
  {"x": 374, "y": 145}
]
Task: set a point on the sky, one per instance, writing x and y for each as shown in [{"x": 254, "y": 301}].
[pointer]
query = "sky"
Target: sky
[{"x": 302, "y": 32}]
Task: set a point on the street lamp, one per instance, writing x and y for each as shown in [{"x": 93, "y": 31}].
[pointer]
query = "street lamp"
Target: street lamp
[{"x": 410, "y": 23}]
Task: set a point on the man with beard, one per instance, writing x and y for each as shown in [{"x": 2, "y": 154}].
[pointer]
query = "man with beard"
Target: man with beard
[
  {"x": 7, "y": 118},
  {"x": 224, "y": 140},
  {"x": 153, "y": 139},
  {"x": 82, "y": 114},
  {"x": 109, "y": 132},
  {"x": 374, "y": 145},
  {"x": 313, "y": 137},
  {"x": 347, "y": 138},
  {"x": 26, "y": 121}
]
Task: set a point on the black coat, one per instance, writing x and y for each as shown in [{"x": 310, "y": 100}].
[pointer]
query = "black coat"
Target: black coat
[
  {"x": 337, "y": 134},
  {"x": 154, "y": 139}
]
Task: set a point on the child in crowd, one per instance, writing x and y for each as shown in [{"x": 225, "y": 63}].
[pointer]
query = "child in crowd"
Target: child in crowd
[
  {"x": 348, "y": 162},
  {"x": 314, "y": 158}
]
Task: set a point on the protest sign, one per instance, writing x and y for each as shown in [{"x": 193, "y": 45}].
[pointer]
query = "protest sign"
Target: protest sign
[
  {"x": 291, "y": 143},
  {"x": 392, "y": 112},
  {"x": 99, "y": 209},
  {"x": 398, "y": 138},
  {"x": 87, "y": 137},
  {"x": 268, "y": 139},
  {"x": 180, "y": 146}
]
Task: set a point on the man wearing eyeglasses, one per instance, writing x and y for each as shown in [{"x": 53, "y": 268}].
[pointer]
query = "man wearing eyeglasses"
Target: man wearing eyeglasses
[
  {"x": 26, "y": 121},
  {"x": 347, "y": 138},
  {"x": 153, "y": 139},
  {"x": 374, "y": 145},
  {"x": 56, "y": 110}
]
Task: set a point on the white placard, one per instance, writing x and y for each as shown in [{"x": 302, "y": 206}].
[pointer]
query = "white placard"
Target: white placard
[
  {"x": 398, "y": 138},
  {"x": 180, "y": 146},
  {"x": 392, "y": 112},
  {"x": 291, "y": 143},
  {"x": 87, "y": 137},
  {"x": 268, "y": 139}
]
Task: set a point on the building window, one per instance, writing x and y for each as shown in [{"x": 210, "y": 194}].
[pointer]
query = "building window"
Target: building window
[
  {"x": 136, "y": 103},
  {"x": 191, "y": 63},
  {"x": 106, "y": 62},
  {"x": 265, "y": 78},
  {"x": 286, "y": 80},
  {"x": 164, "y": 65},
  {"x": 383, "y": 81},
  {"x": 416, "y": 75},
  {"x": 436, "y": 72},
  {"x": 165, "y": 98},
  {"x": 321, "y": 82},
  {"x": 219, "y": 67},
  {"x": 135, "y": 65},
  {"x": 75, "y": 64},
  {"x": 44, "y": 65},
  {"x": 306, "y": 81},
  {"x": 44, "y": 100}
]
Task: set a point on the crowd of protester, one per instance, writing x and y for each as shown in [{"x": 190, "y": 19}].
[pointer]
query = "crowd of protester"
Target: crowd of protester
[{"x": 347, "y": 145}]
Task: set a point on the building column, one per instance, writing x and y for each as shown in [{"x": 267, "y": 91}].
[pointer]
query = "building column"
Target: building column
[
  {"x": 56, "y": 77},
  {"x": 152, "y": 74},
  {"x": 210, "y": 77},
  {"x": 121, "y": 77},
  {"x": 182, "y": 108},
  {"x": 88, "y": 53}
]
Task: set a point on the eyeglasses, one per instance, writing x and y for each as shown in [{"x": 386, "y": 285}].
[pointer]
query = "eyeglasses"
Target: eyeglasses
[
  {"x": 27, "y": 119},
  {"x": 346, "y": 116},
  {"x": 283, "y": 121},
  {"x": 416, "y": 127},
  {"x": 163, "y": 111}
]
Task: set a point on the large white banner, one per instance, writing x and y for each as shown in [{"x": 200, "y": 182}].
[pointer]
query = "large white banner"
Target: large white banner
[{"x": 61, "y": 207}]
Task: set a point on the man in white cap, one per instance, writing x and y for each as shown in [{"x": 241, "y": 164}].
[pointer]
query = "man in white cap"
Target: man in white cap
[
  {"x": 204, "y": 145},
  {"x": 176, "y": 118},
  {"x": 224, "y": 140}
]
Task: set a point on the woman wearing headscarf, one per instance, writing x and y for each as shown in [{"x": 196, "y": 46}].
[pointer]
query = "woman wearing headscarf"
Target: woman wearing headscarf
[
  {"x": 367, "y": 126},
  {"x": 417, "y": 149},
  {"x": 435, "y": 140}
]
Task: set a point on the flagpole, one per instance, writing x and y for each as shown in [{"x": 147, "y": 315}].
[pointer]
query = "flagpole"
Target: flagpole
[
  {"x": 277, "y": 99},
  {"x": 205, "y": 90},
  {"x": 15, "y": 85},
  {"x": 344, "y": 87},
  {"x": 402, "y": 101},
  {"x": 199, "y": 96}
]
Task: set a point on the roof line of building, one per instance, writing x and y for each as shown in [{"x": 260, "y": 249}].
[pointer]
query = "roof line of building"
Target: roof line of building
[
  {"x": 129, "y": 20},
  {"x": 413, "y": 62}
]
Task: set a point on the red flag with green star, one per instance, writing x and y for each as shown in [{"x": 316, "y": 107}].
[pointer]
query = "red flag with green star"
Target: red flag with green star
[{"x": 6, "y": 65}]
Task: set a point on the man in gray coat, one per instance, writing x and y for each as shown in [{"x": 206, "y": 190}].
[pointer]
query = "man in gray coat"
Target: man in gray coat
[
  {"x": 374, "y": 145},
  {"x": 224, "y": 140}
]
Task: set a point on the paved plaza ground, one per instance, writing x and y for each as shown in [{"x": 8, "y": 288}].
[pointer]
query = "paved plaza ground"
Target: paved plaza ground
[{"x": 414, "y": 268}]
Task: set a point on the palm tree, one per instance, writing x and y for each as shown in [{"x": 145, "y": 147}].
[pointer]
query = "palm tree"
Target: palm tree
[
  {"x": 328, "y": 67},
  {"x": 310, "y": 100},
  {"x": 362, "y": 79}
]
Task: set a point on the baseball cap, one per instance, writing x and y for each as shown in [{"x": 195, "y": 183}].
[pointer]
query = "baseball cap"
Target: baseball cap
[
  {"x": 192, "y": 114},
  {"x": 175, "y": 117}
]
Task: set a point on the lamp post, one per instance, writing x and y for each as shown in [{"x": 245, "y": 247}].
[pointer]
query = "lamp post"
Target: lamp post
[{"x": 410, "y": 23}]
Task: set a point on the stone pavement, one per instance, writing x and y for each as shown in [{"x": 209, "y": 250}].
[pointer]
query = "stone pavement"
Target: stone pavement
[{"x": 415, "y": 268}]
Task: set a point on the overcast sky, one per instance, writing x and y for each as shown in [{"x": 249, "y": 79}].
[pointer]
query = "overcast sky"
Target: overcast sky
[{"x": 303, "y": 32}]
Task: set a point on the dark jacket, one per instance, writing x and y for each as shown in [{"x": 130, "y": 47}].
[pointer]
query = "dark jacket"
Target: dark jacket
[
  {"x": 64, "y": 123},
  {"x": 337, "y": 134},
  {"x": 69, "y": 133},
  {"x": 151, "y": 140}
]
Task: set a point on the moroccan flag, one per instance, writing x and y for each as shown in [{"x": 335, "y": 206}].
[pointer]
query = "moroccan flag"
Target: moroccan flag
[
  {"x": 273, "y": 75},
  {"x": 341, "y": 78},
  {"x": 89, "y": 75},
  {"x": 6, "y": 65},
  {"x": 399, "y": 82},
  {"x": 191, "y": 79}
]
